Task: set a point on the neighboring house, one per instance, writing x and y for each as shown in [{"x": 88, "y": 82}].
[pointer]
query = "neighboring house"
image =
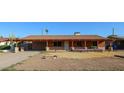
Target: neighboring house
[
  {"x": 117, "y": 41},
  {"x": 63, "y": 42},
  {"x": 4, "y": 41}
]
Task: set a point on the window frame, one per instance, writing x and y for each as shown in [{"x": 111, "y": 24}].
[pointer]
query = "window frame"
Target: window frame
[
  {"x": 57, "y": 43},
  {"x": 79, "y": 43}
]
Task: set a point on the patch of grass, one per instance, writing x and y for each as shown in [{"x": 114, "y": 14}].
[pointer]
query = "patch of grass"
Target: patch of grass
[
  {"x": 2, "y": 47},
  {"x": 19, "y": 63}
]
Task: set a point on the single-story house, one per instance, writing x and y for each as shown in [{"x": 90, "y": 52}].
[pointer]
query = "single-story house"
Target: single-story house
[
  {"x": 63, "y": 42},
  {"x": 4, "y": 41}
]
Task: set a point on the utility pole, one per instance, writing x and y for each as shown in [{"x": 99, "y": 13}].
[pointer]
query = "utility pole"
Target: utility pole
[
  {"x": 113, "y": 31},
  {"x": 42, "y": 31}
]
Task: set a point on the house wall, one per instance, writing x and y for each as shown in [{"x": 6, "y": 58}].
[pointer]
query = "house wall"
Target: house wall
[
  {"x": 4, "y": 43},
  {"x": 83, "y": 44},
  {"x": 51, "y": 46},
  {"x": 50, "y": 43},
  {"x": 38, "y": 45},
  {"x": 89, "y": 44}
]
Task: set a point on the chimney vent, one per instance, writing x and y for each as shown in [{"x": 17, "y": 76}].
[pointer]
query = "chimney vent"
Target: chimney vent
[{"x": 77, "y": 33}]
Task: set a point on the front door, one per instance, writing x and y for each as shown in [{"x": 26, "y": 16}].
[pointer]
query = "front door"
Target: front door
[{"x": 66, "y": 45}]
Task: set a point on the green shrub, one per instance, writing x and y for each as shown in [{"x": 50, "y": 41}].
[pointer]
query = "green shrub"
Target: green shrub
[
  {"x": 4, "y": 47},
  {"x": 94, "y": 47}
]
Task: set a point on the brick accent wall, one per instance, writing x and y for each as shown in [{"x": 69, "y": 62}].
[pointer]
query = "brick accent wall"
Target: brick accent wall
[{"x": 101, "y": 45}]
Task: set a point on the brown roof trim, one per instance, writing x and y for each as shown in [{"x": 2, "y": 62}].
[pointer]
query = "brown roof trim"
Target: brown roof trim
[
  {"x": 63, "y": 37},
  {"x": 4, "y": 39}
]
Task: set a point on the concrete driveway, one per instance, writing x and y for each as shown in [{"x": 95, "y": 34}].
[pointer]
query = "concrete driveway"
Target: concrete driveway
[{"x": 9, "y": 59}]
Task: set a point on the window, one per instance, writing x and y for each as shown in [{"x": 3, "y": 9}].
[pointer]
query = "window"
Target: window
[
  {"x": 57, "y": 44},
  {"x": 95, "y": 43},
  {"x": 79, "y": 44},
  {"x": 94, "y": 46}
]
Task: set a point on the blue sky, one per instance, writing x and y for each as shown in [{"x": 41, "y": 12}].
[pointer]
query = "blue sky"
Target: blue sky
[{"x": 22, "y": 29}]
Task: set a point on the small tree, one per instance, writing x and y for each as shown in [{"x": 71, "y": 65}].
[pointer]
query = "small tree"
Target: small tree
[
  {"x": 12, "y": 44},
  {"x": 11, "y": 38},
  {"x": 1, "y": 36}
]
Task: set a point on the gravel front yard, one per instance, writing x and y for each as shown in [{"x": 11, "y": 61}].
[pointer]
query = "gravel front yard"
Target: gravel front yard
[{"x": 69, "y": 61}]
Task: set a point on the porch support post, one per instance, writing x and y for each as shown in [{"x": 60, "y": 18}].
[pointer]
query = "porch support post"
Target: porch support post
[
  {"x": 111, "y": 47},
  {"x": 16, "y": 47},
  {"x": 85, "y": 44},
  {"x": 72, "y": 45},
  {"x": 98, "y": 44},
  {"x": 22, "y": 47},
  {"x": 47, "y": 46}
]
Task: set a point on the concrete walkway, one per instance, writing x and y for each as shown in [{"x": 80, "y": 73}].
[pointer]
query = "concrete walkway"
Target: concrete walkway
[{"x": 9, "y": 59}]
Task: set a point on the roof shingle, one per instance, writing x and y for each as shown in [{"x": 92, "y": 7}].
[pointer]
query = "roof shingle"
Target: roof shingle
[{"x": 64, "y": 37}]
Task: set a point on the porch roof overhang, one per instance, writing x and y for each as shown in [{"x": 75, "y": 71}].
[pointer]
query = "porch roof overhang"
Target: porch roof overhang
[{"x": 63, "y": 38}]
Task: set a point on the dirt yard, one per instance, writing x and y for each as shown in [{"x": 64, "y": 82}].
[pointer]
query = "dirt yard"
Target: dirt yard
[
  {"x": 72, "y": 61},
  {"x": 85, "y": 55}
]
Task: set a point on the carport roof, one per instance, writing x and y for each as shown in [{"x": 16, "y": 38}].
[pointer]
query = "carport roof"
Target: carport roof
[{"x": 116, "y": 37}]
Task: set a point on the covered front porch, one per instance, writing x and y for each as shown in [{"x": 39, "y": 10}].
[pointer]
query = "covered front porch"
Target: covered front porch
[
  {"x": 87, "y": 45},
  {"x": 68, "y": 45}
]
